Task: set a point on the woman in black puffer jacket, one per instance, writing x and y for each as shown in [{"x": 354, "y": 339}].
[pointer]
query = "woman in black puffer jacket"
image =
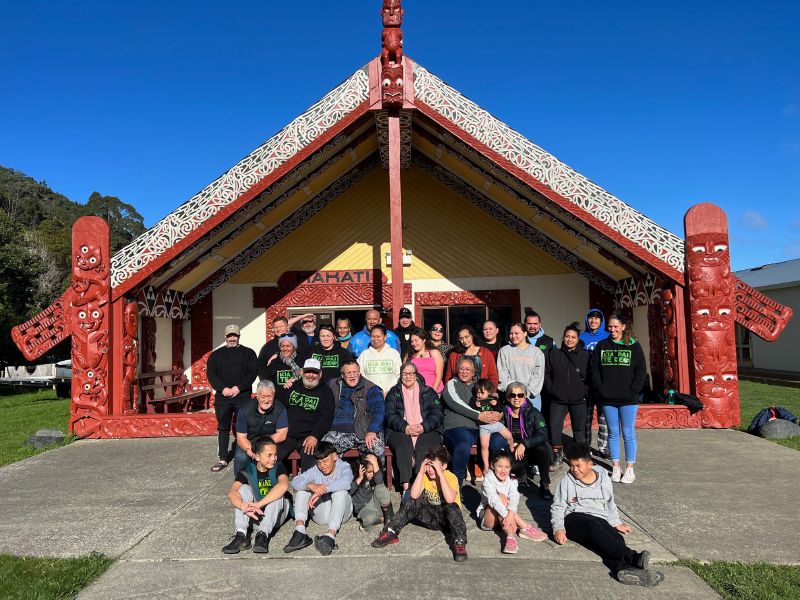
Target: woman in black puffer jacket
[
  {"x": 565, "y": 376},
  {"x": 410, "y": 433}
]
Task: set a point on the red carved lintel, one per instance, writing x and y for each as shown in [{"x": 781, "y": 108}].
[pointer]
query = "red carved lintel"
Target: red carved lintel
[{"x": 481, "y": 297}]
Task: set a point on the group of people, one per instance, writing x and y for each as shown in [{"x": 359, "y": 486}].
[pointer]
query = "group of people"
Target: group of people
[{"x": 324, "y": 390}]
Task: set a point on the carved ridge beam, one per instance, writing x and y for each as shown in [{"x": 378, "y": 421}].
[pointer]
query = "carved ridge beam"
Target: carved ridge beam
[
  {"x": 530, "y": 233},
  {"x": 758, "y": 312},
  {"x": 284, "y": 228}
]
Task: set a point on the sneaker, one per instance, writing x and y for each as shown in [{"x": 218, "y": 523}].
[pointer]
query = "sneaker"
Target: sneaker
[
  {"x": 544, "y": 492},
  {"x": 239, "y": 542},
  {"x": 460, "y": 551},
  {"x": 297, "y": 542},
  {"x": 616, "y": 474},
  {"x": 533, "y": 533},
  {"x": 324, "y": 544},
  {"x": 634, "y": 576},
  {"x": 629, "y": 476},
  {"x": 511, "y": 546},
  {"x": 642, "y": 560},
  {"x": 261, "y": 543},
  {"x": 384, "y": 539}
]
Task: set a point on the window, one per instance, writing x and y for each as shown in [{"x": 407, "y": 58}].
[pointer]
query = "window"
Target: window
[
  {"x": 744, "y": 351},
  {"x": 474, "y": 315}
]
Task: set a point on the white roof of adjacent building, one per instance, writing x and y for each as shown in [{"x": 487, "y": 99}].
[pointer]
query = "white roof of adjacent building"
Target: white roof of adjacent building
[{"x": 774, "y": 275}]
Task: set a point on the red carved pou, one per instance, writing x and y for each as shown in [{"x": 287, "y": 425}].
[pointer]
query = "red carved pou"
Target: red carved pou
[
  {"x": 392, "y": 54},
  {"x": 90, "y": 318},
  {"x": 130, "y": 359},
  {"x": 711, "y": 314}
]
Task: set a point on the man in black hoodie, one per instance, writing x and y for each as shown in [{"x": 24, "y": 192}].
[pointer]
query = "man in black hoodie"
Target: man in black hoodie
[
  {"x": 231, "y": 372},
  {"x": 405, "y": 328}
]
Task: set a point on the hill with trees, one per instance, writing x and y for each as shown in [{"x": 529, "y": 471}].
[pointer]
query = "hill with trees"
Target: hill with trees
[{"x": 36, "y": 248}]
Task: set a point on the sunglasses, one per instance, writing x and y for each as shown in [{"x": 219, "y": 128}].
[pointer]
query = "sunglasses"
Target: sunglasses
[
  {"x": 436, "y": 329},
  {"x": 517, "y": 395}
]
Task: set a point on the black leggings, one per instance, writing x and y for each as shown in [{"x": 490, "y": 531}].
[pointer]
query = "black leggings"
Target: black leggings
[
  {"x": 577, "y": 416},
  {"x": 441, "y": 517},
  {"x": 600, "y": 537},
  {"x": 539, "y": 455},
  {"x": 403, "y": 450}
]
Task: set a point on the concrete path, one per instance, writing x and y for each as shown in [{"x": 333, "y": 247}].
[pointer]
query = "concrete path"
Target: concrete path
[{"x": 154, "y": 505}]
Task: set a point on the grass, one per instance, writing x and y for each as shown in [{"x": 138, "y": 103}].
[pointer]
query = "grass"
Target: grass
[
  {"x": 48, "y": 578},
  {"x": 758, "y": 581},
  {"x": 22, "y": 415},
  {"x": 755, "y": 396}
]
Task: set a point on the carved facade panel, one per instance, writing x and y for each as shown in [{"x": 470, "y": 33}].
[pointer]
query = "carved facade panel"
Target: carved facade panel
[
  {"x": 382, "y": 127},
  {"x": 638, "y": 291},
  {"x": 130, "y": 359},
  {"x": 759, "y": 313},
  {"x": 461, "y": 297},
  {"x": 162, "y": 425},
  {"x": 164, "y": 304},
  {"x": 45, "y": 331}
]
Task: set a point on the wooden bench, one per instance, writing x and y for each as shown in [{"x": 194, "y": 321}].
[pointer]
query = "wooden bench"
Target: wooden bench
[
  {"x": 169, "y": 391},
  {"x": 294, "y": 462}
]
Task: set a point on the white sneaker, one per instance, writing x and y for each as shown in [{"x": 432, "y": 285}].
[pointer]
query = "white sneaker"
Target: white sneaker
[
  {"x": 629, "y": 476},
  {"x": 616, "y": 474}
]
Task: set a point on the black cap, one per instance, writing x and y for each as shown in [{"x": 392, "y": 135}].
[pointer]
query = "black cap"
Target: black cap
[{"x": 404, "y": 312}]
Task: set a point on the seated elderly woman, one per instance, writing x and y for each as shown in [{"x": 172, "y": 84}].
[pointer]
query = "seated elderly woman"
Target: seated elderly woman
[
  {"x": 461, "y": 420},
  {"x": 413, "y": 421},
  {"x": 282, "y": 368},
  {"x": 529, "y": 431}
]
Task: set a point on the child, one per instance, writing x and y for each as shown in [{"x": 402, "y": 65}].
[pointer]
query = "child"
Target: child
[
  {"x": 259, "y": 495},
  {"x": 584, "y": 511},
  {"x": 322, "y": 492},
  {"x": 371, "y": 502},
  {"x": 499, "y": 501},
  {"x": 486, "y": 399},
  {"x": 434, "y": 502}
]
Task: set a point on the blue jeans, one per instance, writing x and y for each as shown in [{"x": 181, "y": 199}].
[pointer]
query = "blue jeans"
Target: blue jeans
[
  {"x": 459, "y": 441},
  {"x": 627, "y": 415}
]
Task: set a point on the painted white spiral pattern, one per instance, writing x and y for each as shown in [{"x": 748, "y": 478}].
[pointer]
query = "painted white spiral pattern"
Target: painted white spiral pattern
[
  {"x": 543, "y": 166},
  {"x": 281, "y": 147}
]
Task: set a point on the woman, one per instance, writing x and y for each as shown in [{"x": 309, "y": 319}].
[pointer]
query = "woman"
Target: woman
[
  {"x": 529, "y": 431},
  {"x": 427, "y": 358},
  {"x": 284, "y": 367},
  {"x": 565, "y": 381},
  {"x": 437, "y": 339},
  {"x": 344, "y": 331},
  {"x": 461, "y": 420},
  {"x": 468, "y": 346},
  {"x": 329, "y": 353},
  {"x": 618, "y": 372},
  {"x": 413, "y": 421},
  {"x": 380, "y": 363},
  {"x": 523, "y": 362}
]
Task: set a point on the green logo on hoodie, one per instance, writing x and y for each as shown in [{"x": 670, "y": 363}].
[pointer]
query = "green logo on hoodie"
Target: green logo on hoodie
[{"x": 615, "y": 358}]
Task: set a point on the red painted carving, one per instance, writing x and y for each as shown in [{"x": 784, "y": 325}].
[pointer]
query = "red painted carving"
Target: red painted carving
[
  {"x": 669, "y": 340},
  {"x": 488, "y": 297},
  {"x": 655, "y": 328},
  {"x": 666, "y": 416},
  {"x": 392, "y": 77},
  {"x": 159, "y": 425},
  {"x": 178, "y": 344},
  {"x": 148, "y": 344},
  {"x": 759, "y": 313},
  {"x": 200, "y": 373},
  {"x": 130, "y": 359},
  {"x": 90, "y": 313},
  {"x": 45, "y": 330},
  {"x": 711, "y": 315}
]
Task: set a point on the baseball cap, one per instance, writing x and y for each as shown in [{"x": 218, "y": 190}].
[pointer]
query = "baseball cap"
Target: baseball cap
[
  {"x": 232, "y": 330},
  {"x": 312, "y": 364},
  {"x": 405, "y": 312}
]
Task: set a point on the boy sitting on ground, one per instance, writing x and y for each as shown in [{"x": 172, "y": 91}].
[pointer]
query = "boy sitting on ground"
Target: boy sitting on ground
[
  {"x": 434, "y": 502},
  {"x": 371, "y": 501},
  {"x": 322, "y": 492},
  {"x": 584, "y": 511},
  {"x": 259, "y": 495}
]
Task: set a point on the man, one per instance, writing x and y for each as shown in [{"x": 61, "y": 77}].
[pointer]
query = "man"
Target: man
[
  {"x": 344, "y": 331},
  {"x": 323, "y": 492},
  {"x": 358, "y": 420},
  {"x": 329, "y": 353},
  {"x": 310, "y": 407},
  {"x": 259, "y": 418},
  {"x": 404, "y": 329},
  {"x": 361, "y": 340},
  {"x": 306, "y": 331},
  {"x": 491, "y": 338},
  {"x": 231, "y": 371},
  {"x": 536, "y": 334},
  {"x": 379, "y": 363}
]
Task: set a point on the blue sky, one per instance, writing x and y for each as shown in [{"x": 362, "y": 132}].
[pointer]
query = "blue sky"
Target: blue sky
[{"x": 664, "y": 105}]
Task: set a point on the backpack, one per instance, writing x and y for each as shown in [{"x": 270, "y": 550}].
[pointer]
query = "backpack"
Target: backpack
[{"x": 768, "y": 414}]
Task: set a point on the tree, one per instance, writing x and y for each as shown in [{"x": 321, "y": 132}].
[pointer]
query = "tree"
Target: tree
[{"x": 123, "y": 220}]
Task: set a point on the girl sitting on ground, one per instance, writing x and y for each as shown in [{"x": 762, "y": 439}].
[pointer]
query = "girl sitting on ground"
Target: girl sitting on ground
[
  {"x": 499, "y": 502},
  {"x": 486, "y": 399}
]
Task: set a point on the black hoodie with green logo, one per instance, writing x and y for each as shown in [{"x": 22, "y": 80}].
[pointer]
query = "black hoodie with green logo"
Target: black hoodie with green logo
[{"x": 618, "y": 371}]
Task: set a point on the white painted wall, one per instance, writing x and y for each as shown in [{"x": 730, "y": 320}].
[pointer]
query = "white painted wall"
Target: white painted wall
[{"x": 163, "y": 344}]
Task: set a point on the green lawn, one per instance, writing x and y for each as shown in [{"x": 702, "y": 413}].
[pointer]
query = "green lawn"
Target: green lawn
[
  {"x": 48, "y": 578},
  {"x": 759, "y": 581},
  {"x": 21, "y": 415},
  {"x": 755, "y": 396}
]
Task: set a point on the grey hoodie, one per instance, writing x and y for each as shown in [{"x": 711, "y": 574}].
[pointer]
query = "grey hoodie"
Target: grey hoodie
[{"x": 573, "y": 495}]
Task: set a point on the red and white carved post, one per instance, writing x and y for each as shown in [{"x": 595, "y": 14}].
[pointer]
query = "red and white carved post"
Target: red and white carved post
[{"x": 711, "y": 308}]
